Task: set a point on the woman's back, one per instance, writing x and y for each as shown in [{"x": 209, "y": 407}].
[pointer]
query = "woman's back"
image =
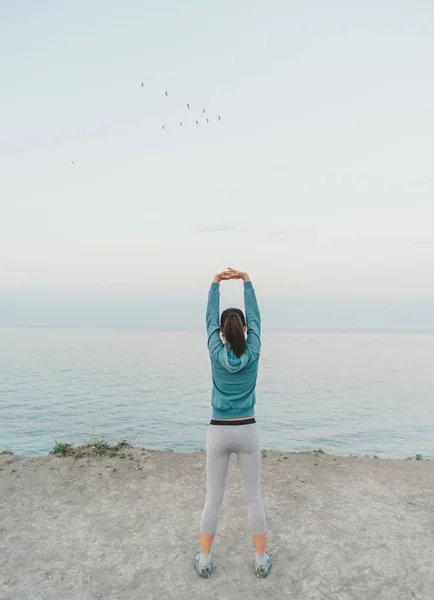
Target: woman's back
[{"x": 233, "y": 377}]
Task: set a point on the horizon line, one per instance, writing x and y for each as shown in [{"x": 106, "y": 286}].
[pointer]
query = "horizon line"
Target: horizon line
[{"x": 160, "y": 329}]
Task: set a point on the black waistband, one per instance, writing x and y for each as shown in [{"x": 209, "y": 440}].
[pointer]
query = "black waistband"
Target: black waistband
[{"x": 234, "y": 422}]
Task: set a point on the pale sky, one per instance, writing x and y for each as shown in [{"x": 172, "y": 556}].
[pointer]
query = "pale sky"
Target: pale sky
[{"x": 318, "y": 180}]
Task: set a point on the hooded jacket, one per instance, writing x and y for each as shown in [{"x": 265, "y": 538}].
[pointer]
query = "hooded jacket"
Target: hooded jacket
[{"x": 233, "y": 378}]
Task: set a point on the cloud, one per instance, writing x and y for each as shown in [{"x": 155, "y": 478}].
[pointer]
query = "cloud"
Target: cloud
[
  {"x": 283, "y": 232},
  {"x": 219, "y": 228}
]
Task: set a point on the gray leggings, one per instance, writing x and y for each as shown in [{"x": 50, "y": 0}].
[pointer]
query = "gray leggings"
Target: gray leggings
[{"x": 221, "y": 441}]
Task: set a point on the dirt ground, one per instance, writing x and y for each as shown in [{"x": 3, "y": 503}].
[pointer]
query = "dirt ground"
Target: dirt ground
[{"x": 126, "y": 528}]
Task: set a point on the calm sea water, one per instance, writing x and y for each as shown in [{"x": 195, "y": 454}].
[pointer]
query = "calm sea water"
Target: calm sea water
[{"x": 348, "y": 393}]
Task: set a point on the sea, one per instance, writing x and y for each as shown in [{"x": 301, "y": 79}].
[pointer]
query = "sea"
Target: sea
[{"x": 347, "y": 392}]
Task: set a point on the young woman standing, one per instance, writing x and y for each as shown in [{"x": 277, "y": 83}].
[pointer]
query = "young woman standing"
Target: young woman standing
[{"x": 233, "y": 428}]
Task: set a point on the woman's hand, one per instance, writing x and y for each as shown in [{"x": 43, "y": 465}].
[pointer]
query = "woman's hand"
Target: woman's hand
[
  {"x": 237, "y": 274},
  {"x": 230, "y": 274},
  {"x": 222, "y": 276}
]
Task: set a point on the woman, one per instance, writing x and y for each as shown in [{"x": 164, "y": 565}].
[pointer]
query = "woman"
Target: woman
[{"x": 234, "y": 367}]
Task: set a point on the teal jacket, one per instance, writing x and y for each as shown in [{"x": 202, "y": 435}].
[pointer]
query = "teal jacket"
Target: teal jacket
[{"x": 233, "y": 378}]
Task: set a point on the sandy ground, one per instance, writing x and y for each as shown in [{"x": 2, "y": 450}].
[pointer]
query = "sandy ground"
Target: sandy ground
[{"x": 127, "y": 528}]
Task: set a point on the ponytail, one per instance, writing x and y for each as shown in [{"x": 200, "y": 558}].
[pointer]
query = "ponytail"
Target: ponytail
[{"x": 232, "y": 325}]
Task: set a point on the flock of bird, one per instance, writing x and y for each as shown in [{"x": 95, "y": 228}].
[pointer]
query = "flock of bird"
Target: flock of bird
[
  {"x": 166, "y": 93},
  {"x": 180, "y": 123}
]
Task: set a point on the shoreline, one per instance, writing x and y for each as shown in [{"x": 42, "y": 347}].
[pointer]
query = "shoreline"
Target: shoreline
[{"x": 10, "y": 452}]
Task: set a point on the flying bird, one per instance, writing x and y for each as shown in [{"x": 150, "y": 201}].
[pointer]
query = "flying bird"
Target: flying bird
[
  {"x": 219, "y": 118},
  {"x": 163, "y": 127},
  {"x": 207, "y": 120},
  {"x": 188, "y": 106},
  {"x": 197, "y": 122},
  {"x": 166, "y": 93},
  {"x": 203, "y": 110},
  {"x": 73, "y": 162},
  {"x": 142, "y": 83},
  {"x": 180, "y": 123}
]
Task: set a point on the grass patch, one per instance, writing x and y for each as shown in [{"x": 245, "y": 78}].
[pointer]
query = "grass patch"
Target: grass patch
[
  {"x": 62, "y": 449},
  {"x": 416, "y": 457},
  {"x": 6, "y": 452},
  {"x": 92, "y": 448}
]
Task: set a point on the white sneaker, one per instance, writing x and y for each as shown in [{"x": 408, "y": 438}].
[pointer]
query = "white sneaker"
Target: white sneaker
[
  {"x": 263, "y": 570},
  {"x": 204, "y": 572}
]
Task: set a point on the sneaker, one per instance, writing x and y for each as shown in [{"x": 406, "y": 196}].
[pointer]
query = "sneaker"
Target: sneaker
[
  {"x": 262, "y": 571},
  {"x": 204, "y": 572}
]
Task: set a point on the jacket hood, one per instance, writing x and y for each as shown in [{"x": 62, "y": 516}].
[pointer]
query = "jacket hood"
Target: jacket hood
[{"x": 231, "y": 362}]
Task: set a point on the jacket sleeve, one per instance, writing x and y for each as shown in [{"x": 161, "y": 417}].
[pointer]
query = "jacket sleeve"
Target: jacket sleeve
[
  {"x": 212, "y": 320},
  {"x": 253, "y": 318}
]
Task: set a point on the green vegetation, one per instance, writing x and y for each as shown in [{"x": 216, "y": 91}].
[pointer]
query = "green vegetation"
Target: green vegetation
[
  {"x": 416, "y": 457},
  {"x": 6, "y": 452},
  {"x": 92, "y": 448},
  {"x": 62, "y": 449}
]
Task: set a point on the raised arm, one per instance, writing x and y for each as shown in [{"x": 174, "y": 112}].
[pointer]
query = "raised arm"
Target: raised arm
[
  {"x": 213, "y": 314},
  {"x": 253, "y": 315}
]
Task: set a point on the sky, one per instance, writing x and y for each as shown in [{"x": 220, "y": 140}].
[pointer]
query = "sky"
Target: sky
[{"x": 318, "y": 180}]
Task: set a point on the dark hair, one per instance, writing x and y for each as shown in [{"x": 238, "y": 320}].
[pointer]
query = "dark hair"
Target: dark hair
[{"x": 232, "y": 323}]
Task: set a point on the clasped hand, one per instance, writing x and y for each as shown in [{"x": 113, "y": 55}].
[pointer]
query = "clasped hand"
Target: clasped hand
[{"x": 230, "y": 274}]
